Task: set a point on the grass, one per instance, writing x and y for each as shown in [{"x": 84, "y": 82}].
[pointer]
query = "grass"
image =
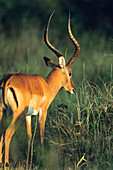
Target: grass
[{"x": 79, "y": 127}]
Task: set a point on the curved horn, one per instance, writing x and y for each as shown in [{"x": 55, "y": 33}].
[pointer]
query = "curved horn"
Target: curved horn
[
  {"x": 76, "y": 44},
  {"x": 46, "y": 38}
]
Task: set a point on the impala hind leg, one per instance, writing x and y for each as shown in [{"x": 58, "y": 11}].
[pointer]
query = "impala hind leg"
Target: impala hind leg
[
  {"x": 42, "y": 125},
  {"x": 29, "y": 133},
  {"x": 11, "y": 130}
]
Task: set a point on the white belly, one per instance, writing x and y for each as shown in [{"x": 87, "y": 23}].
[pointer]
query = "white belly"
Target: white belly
[{"x": 34, "y": 112}]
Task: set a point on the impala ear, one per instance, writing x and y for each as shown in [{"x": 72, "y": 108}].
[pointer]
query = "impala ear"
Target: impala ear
[
  {"x": 62, "y": 62},
  {"x": 49, "y": 63}
]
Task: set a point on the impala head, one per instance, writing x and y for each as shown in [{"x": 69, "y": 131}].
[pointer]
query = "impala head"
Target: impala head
[{"x": 64, "y": 69}]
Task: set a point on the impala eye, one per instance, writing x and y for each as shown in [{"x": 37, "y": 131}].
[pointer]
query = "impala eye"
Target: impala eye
[{"x": 70, "y": 74}]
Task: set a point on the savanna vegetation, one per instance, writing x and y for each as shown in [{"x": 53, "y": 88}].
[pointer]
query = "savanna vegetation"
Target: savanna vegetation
[{"x": 79, "y": 127}]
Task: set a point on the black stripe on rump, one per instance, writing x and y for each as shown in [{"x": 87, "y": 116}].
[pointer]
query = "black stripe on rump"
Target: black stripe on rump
[{"x": 14, "y": 95}]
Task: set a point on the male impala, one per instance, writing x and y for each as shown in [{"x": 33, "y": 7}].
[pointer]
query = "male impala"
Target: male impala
[{"x": 27, "y": 95}]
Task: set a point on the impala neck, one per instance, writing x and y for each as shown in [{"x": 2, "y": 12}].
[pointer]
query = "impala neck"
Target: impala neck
[{"x": 55, "y": 81}]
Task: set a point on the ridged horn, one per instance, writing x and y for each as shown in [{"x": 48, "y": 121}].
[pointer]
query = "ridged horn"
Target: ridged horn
[
  {"x": 76, "y": 44},
  {"x": 46, "y": 38}
]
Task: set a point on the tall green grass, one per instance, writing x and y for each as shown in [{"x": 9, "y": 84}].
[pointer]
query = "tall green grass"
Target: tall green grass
[
  {"x": 84, "y": 128},
  {"x": 79, "y": 127}
]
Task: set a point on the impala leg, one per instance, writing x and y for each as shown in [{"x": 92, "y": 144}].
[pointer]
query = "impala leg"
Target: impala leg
[
  {"x": 29, "y": 133},
  {"x": 42, "y": 125},
  {"x": 10, "y": 131},
  {"x": 8, "y": 135}
]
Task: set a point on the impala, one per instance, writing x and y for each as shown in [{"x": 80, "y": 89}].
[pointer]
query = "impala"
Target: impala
[{"x": 25, "y": 95}]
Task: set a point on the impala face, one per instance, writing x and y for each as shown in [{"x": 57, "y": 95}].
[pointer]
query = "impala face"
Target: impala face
[
  {"x": 62, "y": 73},
  {"x": 26, "y": 95},
  {"x": 69, "y": 85}
]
